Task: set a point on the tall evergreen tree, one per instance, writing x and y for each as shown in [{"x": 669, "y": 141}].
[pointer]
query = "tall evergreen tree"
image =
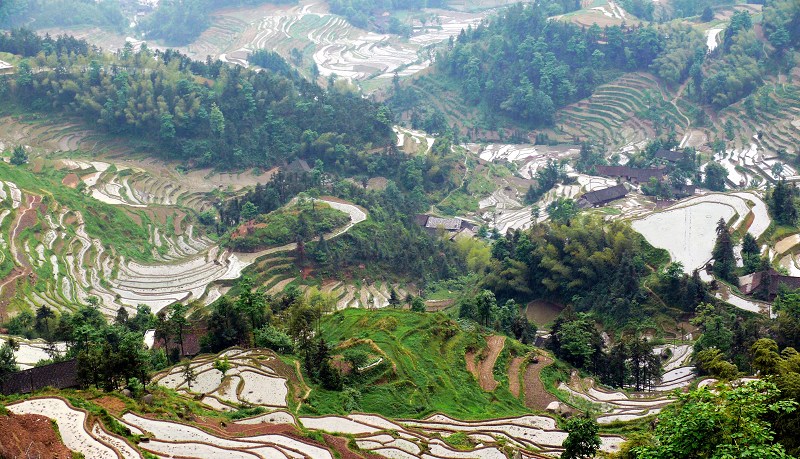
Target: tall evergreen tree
[{"x": 724, "y": 260}]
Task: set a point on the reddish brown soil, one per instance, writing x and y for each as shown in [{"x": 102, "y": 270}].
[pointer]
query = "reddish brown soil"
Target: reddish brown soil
[
  {"x": 513, "y": 375},
  {"x": 30, "y": 435},
  {"x": 536, "y": 396},
  {"x": 230, "y": 429},
  {"x": 483, "y": 369},
  {"x": 339, "y": 444},
  {"x": 114, "y": 405},
  {"x": 177, "y": 223},
  {"x": 438, "y": 305}
]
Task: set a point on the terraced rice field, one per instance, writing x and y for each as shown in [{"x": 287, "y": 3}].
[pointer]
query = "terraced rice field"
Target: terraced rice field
[
  {"x": 602, "y": 13},
  {"x": 253, "y": 379},
  {"x": 32, "y": 351},
  {"x": 370, "y": 431},
  {"x": 52, "y": 242},
  {"x": 693, "y": 225},
  {"x": 327, "y": 40},
  {"x": 616, "y": 114},
  {"x": 259, "y": 378},
  {"x": 503, "y": 208},
  {"x": 774, "y": 127},
  {"x": 616, "y": 406},
  {"x": 413, "y": 142}
]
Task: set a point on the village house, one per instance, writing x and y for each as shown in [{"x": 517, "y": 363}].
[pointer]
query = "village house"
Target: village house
[
  {"x": 767, "y": 283},
  {"x": 599, "y": 198},
  {"x": 632, "y": 175},
  {"x": 671, "y": 156},
  {"x": 455, "y": 226},
  {"x": 6, "y": 68},
  {"x": 298, "y": 166}
]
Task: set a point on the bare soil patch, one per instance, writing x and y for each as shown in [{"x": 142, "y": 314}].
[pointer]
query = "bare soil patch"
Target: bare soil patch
[
  {"x": 71, "y": 180},
  {"x": 513, "y": 375},
  {"x": 536, "y": 396},
  {"x": 30, "y": 435},
  {"x": 339, "y": 444},
  {"x": 483, "y": 369},
  {"x": 542, "y": 312},
  {"x": 177, "y": 223},
  {"x": 438, "y": 305},
  {"x": 114, "y": 405}
]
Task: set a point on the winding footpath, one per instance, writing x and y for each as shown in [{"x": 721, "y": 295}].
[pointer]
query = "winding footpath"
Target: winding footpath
[{"x": 20, "y": 223}]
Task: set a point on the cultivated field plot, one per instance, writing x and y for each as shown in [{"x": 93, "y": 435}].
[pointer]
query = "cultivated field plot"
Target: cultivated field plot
[
  {"x": 620, "y": 113},
  {"x": 392, "y": 439},
  {"x": 758, "y": 137},
  {"x": 413, "y": 142},
  {"x": 32, "y": 351},
  {"x": 327, "y": 40},
  {"x": 604, "y": 13},
  {"x": 617, "y": 406},
  {"x": 50, "y": 244},
  {"x": 77, "y": 434},
  {"x": 502, "y": 208},
  {"x": 254, "y": 378},
  {"x": 692, "y": 225}
]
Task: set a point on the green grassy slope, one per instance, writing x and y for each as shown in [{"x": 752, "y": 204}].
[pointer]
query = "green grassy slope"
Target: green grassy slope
[{"x": 429, "y": 373}]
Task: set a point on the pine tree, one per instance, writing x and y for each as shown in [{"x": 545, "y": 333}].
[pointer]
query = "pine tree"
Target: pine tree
[
  {"x": 18, "y": 156},
  {"x": 724, "y": 260}
]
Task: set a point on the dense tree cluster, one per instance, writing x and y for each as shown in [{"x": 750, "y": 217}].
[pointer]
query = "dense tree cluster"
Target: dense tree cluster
[
  {"x": 525, "y": 66},
  {"x": 109, "y": 356},
  {"x": 180, "y": 22},
  {"x": 729, "y": 422},
  {"x": 62, "y": 13},
  {"x": 271, "y": 61},
  {"x": 782, "y": 24},
  {"x": 678, "y": 289},
  {"x": 781, "y": 203},
  {"x": 630, "y": 362},
  {"x": 732, "y": 345},
  {"x": 547, "y": 178},
  {"x": 231, "y": 116},
  {"x": 725, "y": 333},
  {"x": 26, "y": 43},
  {"x": 287, "y": 323},
  {"x": 508, "y": 318},
  {"x": 591, "y": 263},
  {"x": 736, "y": 72}
]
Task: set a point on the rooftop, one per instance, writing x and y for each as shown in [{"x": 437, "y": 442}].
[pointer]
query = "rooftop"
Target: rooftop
[
  {"x": 605, "y": 195},
  {"x": 670, "y": 155}
]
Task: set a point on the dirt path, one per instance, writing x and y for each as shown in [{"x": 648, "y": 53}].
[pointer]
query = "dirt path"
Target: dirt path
[
  {"x": 536, "y": 396},
  {"x": 483, "y": 370},
  {"x": 24, "y": 219},
  {"x": 513, "y": 375}
]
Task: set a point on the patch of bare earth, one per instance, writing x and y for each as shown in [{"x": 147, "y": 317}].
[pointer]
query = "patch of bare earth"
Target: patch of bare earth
[
  {"x": 71, "y": 180},
  {"x": 536, "y": 396},
  {"x": 513, "y": 375},
  {"x": 483, "y": 367},
  {"x": 30, "y": 435}
]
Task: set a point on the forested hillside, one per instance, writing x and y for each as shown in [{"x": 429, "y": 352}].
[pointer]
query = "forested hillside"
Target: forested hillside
[
  {"x": 62, "y": 13},
  {"x": 522, "y": 66},
  {"x": 180, "y": 22},
  {"x": 205, "y": 113}
]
